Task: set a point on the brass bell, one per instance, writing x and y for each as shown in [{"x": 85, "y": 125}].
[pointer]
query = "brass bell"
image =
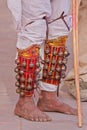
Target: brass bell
[
  {"x": 64, "y": 61},
  {"x": 52, "y": 68},
  {"x": 58, "y": 69},
  {"x": 60, "y": 62},
  {"x": 21, "y": 72},
  {"x": 45, "y": 67},
  {"x": 31, "y": 65},
  {"x": 17, "y": 77},
  {"x": 22, "y": 79},
  {"x": 17, "y": 84},
  {"x": 47, "y": 51},
  {"x": 18, "y": 90},
  {"x": 50, "y": 73},
  {"x": 57, "y": 77},
  {"x": 66, "y": 53},
  {"x": 29, "y": 88},
  {"x": 22, "y": 94},
  {"x": 63, "y": 68},
  {"x": 44, "y": 75},
  {"x": 63, "y": 75},
  {"x": 16, "y": 70},
  {"x": 22, "y": 86},
  {"x": 30, "y": 80},
  {"x": 17, "y": 61},
  {"x": 38, "y": 70},
  {"x": 53, "y": 61},
  {"x": 37, "y": 64},
  {"x": 54, "y": 52},
  {"x": 60, "y": 53},
  {"x": 47, "y": 60},
  {"x": 24, "y": 64}
]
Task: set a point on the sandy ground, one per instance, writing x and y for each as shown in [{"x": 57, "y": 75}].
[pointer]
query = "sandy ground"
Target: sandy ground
[{"x": 8, "y": 97}]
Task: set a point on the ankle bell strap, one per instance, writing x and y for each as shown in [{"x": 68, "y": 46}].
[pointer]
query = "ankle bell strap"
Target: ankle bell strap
[
  {"x": 27, "y": 65},
  {"x": 55, "y": 60}
]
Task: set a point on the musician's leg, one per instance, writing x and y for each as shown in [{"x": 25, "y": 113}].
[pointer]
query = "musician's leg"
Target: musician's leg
[
  {"x": 55, "y": 57},
  {"x": 30, "y": 38}
]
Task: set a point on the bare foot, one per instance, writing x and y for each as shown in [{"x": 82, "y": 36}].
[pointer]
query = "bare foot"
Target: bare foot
[
  {"x": 26, "y": 108},
  {"x": 49, "y": 102}
]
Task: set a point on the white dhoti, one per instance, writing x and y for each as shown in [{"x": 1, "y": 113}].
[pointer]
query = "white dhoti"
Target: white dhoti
[{"x": 32, "y": 29}]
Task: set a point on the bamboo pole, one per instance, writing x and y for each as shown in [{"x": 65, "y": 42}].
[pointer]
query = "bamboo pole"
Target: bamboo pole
[{"x": 76, "y": 59}]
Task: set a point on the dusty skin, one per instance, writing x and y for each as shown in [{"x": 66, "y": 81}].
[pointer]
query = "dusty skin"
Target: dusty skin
[
  {"x": 48, "y": 102},
  {"x": 25, "y": 108}
]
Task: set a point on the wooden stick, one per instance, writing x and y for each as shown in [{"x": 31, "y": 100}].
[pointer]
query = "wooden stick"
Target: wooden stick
[{"x": 76, "y": 59}]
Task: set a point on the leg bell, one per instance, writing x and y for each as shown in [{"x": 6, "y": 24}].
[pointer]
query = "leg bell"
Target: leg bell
[
  {"x": 27, "y": 66},
  {"x": 55, "y": 59}
]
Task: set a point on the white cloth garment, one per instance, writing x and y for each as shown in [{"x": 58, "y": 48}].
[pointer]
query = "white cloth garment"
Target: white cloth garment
[
  {"x": 31, "y": 26},
  {"x": 16, "y": 9}
]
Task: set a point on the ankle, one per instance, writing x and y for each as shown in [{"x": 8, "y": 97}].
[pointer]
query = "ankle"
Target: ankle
[
  {"x": 22, "y": 100},
  {"x": 47, "y": 95}
]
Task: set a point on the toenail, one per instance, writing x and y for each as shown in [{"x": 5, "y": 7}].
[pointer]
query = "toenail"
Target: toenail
[
  {"x": 32, "y": 119},
  {"x": 37, "y": 119},
  {"x": 45, "y": 120},
  {"x": 68, "y": 113},
  {"x": 40, "y": 120}
]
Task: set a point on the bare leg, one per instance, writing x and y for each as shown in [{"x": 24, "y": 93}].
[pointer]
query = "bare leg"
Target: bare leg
[
  {"x": 49, "y": 102},
  {"x": 25, "y": 77},
  {"x": 26, "y": 108}
]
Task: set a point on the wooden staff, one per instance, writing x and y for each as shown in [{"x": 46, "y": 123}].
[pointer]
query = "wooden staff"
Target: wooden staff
[{"x": 76, "y": 59}]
